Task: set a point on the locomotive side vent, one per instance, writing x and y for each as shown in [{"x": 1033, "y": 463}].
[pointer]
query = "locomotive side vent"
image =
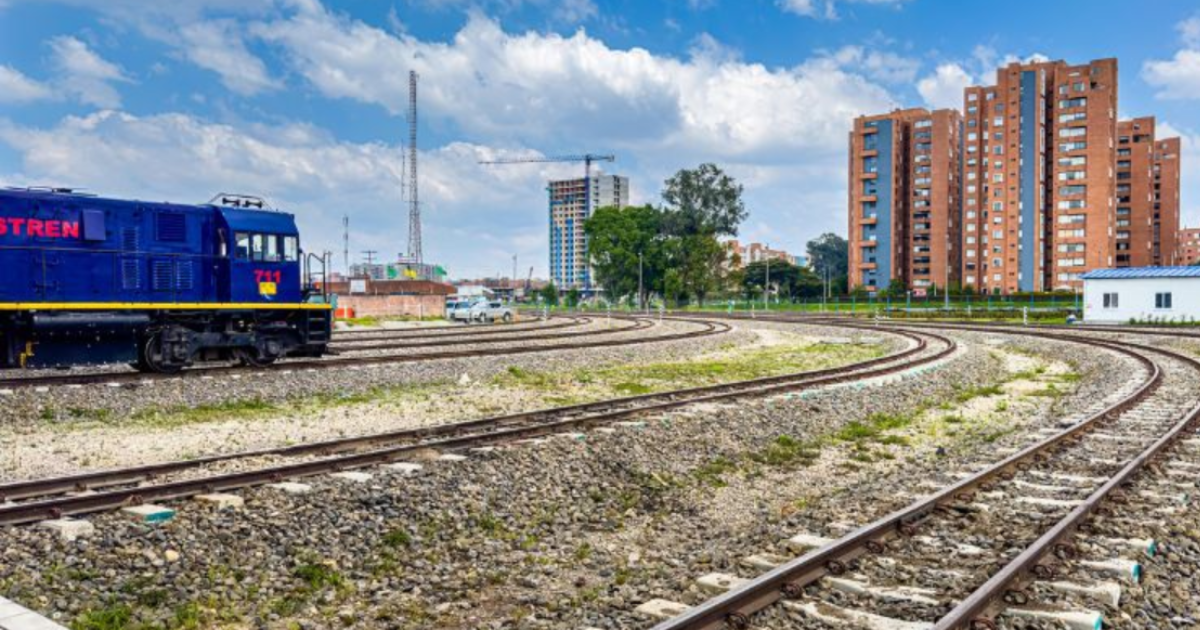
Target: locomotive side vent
[
  {"x": 171, "y": 227},
  {"x": 184, "y": 275},
  {"x": 162, "y": 274},
  {"x": 131, "y": 274},
  {"x": 131, "y": 269}
]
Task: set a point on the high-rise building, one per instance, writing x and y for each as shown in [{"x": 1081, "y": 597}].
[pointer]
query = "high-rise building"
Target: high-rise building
[
  {"x": 1039, "y": 190},
  {"x": 905, "y": 199},
  {"x": 1147, "y": 219},
  {"x": 1188, "y": 248},
  {"x": 572, "y": 201}
]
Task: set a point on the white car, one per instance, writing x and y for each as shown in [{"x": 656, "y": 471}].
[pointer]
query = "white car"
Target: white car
[{"x": 493, "y": 311}]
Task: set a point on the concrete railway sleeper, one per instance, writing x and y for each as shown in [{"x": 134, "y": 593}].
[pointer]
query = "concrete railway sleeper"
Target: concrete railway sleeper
[
  {"x": 706, "y": 328},
  {"x": 881, "y": 575},
  {"x": 91, "y": 492}
]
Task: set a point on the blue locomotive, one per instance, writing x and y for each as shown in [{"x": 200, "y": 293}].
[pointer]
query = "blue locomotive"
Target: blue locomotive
[{"x": 89, "y": 280}]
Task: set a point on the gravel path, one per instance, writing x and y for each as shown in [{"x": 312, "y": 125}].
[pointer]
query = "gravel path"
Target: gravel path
[{"x": 568, "y": 534}]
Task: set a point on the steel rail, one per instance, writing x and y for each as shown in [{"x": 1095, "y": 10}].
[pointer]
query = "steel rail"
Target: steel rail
[
  {"x": 373, "y": 344},
  {"x": 789, "y": 579},
  {"x": 494, "y": 432},
  {"x": 709, "y": 328}
]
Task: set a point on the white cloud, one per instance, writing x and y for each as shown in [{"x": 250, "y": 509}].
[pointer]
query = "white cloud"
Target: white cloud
[
  {"x": 217, "y": 45},
  {"x": 826, "y": 9},
  {"x": 15, "y": 87},
  {"x": 537, "y": 87},
  {"x": 1179, "y": 76},
  {"x": 1189, "y": 32},
  {"x": 85, "y": 74},
  {"x": 879, "y": 65},
  {"x": 944, "y": 88}
]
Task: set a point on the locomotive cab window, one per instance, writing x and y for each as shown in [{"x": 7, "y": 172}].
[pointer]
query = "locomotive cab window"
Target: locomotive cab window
[
  {"x": 243, "y": 245},
  {"x": 291, "y": 249},
  {"x": 257, "y": 250},
  {"x": 272, "y": 249}
]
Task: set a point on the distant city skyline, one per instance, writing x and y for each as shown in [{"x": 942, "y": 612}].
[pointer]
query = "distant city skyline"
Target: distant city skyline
[{"x": 303, "y": 101}]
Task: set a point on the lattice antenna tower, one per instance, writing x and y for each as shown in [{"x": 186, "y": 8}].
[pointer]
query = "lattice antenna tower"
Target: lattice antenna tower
[
  {"x": 346, "y": 243},
  {"x": 414, "y": 204}
]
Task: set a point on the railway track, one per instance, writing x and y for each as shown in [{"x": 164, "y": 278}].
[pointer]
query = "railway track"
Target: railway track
[
  {"x": 963, "y": 556},
  {"x": 34, "y": 500},
  {"x": 706, "y": 328},
  {"x": 373, "y": 345},
  {"x": 465, "y": 330}
]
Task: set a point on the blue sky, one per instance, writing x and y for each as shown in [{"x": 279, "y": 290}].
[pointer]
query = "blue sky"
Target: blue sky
[{"x": 302, "y": 101}]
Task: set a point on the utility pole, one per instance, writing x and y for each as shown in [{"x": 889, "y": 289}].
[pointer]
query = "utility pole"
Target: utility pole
[
  {"x": 370, "y": 256},
  {"x": 641, "y": 294},
  {"x": 513, "y": 284},
  {"x": 346, "y": 243},
  {"x": 767, "y": 283}
]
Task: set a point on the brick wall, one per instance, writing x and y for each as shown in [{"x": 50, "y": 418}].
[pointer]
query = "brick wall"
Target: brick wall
[{"x": 394, "y": 305}]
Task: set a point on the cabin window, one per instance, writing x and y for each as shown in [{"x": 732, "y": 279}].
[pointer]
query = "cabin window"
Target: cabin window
[
  {"x": 1162, "y": 300},
  {"x": 257, "y": 249},
  {"x": 243, "y": 245},
  {"x": 272, "y": 249},
  {"x": 291, "y": 249},
  {"x": 1110, "y": 300}
]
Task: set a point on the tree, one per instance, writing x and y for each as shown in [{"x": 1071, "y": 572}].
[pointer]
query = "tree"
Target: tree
[
  {"x": 701, "y": 204},
  {"x": 549, "y": 294},
  {"x": 829, "y": 257},
  {"x": 704, "y": 200},
  {"x": 896, "y": 288},
  {"x": 616, "y": 236},
  {"x": 574, "y": 297},
  {"x": 791, "y": 281}
]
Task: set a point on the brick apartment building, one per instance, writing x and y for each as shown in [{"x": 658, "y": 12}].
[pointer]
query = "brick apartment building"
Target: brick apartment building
[
  {"x": 1044, "y": 195},
  {"x": 1147, "y": 192},
  {"x": 905, "y": 199},
  {"x": 1188, "y": 248}
]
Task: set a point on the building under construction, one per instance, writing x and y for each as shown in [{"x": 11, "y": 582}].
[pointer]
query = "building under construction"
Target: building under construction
[{"x": 571, "y": 203}]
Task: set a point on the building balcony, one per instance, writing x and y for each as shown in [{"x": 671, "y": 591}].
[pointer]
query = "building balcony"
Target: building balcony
[
  {"x": 867, "y": 266},
  {"x": 871, "y": 220},
  {"x": 869, "y": 152},
  {"x": 869, "y": 175},
  {"x": 869, "y": 198}
]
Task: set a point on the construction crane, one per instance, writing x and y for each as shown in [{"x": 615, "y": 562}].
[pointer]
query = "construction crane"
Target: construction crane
[{"x": 586, "y": 158}]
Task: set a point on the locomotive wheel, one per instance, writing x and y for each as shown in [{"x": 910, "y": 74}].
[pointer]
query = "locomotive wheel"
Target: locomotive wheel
[
  {"x": 151, "y": 359},
  {"x": 250, "y": 357}
]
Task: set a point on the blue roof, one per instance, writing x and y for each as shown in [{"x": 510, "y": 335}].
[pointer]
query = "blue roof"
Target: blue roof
[{"x": 1143, "y": 272}]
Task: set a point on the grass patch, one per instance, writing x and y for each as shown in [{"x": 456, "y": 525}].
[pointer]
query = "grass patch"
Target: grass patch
[
  {"x": 318, "y": 576},
  {"x": 712, "y": 473},
  {"x": 115, "y": 617}
]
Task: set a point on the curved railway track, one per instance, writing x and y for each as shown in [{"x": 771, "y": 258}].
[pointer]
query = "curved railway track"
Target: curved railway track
[
  {"x": 626, "y": 325},
  {"x": 706, "y": 328},
  {"x": 43, "y": 498},
  {"x": 1028, "y": 507},
  {"x": 465, "y": 330}
]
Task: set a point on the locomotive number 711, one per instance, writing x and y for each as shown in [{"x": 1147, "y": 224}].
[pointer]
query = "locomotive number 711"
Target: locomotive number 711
[{"x": 267, "y": 275}]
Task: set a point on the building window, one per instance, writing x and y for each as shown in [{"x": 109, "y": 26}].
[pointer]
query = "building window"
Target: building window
[
  {"x": 1162, "y": 300},
  {"x": 1111, "y": 300}
]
